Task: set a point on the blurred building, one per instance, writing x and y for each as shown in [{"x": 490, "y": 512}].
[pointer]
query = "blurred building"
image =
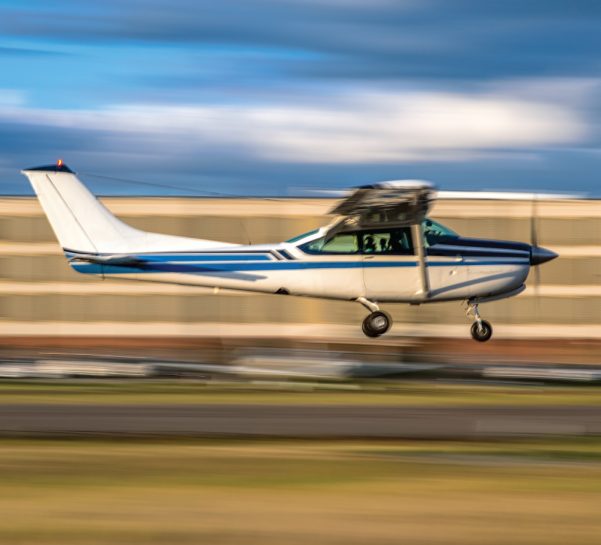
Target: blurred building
[{"x": 41, "y": 295}]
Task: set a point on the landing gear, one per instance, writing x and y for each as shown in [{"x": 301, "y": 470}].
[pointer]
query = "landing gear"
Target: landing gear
[
  {"x": 481, "y": 330},
  {"x": 378, "y": 322}
]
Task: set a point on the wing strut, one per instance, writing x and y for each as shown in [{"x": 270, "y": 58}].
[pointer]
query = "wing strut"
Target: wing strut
[{"x": 418, "y": 242}]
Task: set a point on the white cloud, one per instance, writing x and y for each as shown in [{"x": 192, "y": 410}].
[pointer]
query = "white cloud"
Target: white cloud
[
  {"x": 11, "y": 97},
  {"x": 379, "y": 127}
]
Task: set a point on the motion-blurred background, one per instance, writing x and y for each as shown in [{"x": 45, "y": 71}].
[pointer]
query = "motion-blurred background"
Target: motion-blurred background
[
  {"x": 42, "y": 295},
  {"x": 143, "y": 414}
]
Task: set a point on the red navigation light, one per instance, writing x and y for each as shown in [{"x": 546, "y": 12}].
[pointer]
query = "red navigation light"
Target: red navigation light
[{"x": 59, "y": 163}]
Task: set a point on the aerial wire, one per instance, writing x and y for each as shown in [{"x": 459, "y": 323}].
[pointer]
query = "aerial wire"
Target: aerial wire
[{"x": 190, "y": 190}]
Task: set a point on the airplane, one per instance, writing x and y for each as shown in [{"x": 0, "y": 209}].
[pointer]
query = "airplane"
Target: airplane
[{"x": 380, "y": 248}]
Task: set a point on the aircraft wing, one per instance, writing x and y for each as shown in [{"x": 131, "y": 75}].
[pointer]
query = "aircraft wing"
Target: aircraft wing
[
  {"x": 386, "y": 204},
  {"x": 469, "y": 195}
]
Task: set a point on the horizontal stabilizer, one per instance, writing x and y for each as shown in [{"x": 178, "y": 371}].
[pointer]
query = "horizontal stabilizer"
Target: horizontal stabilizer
[{"x": 115, "y": 260}]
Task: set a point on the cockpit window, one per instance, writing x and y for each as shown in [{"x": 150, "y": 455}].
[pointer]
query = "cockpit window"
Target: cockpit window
[
  {"x": 373, "y": 241},
  {"x": 343, "y": 243},
  {"x": 397, "y": 241},
  {"x": 387, "y": 241},
  {"x": 434, "y": 232}
]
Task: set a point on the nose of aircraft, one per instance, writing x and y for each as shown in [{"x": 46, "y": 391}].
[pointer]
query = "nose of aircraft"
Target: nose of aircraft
[{"x": 539, "y": 255}]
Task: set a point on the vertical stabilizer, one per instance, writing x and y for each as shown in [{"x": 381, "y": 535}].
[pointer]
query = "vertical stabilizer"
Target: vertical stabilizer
[{"x": 84, "y": 225}]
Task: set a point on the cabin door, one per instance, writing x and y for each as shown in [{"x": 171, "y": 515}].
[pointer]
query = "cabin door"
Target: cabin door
[{"x": 389, "y": 264}]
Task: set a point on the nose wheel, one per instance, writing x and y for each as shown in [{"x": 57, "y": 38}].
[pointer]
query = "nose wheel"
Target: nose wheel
[{"x": 481, "y": 330}]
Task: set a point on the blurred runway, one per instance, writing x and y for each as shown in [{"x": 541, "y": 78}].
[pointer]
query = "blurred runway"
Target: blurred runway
[{"x": 298, "y": 421}]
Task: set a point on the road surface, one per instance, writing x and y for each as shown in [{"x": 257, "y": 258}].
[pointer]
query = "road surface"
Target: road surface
[{"x": 281, "y": 421}]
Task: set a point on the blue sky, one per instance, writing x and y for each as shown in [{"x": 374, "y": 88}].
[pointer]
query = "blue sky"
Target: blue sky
[{"x": 283, "y": 96}]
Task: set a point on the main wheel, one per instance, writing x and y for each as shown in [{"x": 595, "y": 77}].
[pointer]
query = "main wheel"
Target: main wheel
[
  {"x": 366, "y": 330},
  {"x": 376, "y": 324},
  {"x": 481, "y": 332}
]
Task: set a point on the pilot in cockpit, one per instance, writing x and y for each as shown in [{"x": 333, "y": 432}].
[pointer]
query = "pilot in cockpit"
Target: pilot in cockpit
[{"x": 369, "y": 245}]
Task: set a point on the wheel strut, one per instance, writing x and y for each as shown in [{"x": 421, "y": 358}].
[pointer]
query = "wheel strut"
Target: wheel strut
[
  {"x": 481, "y": 330},
  {"x": 369, "y": 305}
]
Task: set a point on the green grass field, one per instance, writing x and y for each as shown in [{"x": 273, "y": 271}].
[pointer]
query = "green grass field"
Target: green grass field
[
  {"x": 174, "y": 492},
  {"x": 401, "y": 393},
  {"x": 372, "y": 393}
]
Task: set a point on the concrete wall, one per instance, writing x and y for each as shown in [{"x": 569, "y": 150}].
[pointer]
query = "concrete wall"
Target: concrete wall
[{"x": 40, "y": 294}]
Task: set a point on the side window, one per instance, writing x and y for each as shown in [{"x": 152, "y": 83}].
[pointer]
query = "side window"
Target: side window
[
  {"x": 387, "y": 242},
  {"x": 376, "y": 242},
  {"x": 344, "y": 243}
]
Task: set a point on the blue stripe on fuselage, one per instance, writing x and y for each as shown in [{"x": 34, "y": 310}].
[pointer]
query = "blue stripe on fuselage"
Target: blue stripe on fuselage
[
  {"x": 199, "y": 268},
  {"x": 200, "y": 258}
]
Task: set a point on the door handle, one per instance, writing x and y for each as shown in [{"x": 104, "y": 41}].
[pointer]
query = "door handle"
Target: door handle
[{"x": 369, "y": 257}]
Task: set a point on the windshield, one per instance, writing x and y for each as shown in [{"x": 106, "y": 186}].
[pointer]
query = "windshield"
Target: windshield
[{"x": 434, "y": 232}]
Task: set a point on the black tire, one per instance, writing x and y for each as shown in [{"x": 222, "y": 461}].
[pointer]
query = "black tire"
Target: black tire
[
  {"x": 376, "y": 324},
  {"x": 366, "y": 330},
  {"x": 481, "y": 333}
]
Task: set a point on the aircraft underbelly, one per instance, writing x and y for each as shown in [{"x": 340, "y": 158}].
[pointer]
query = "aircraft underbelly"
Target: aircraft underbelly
[
  {"x": 379, "y": 278},
  {"x": 336, "y": 283},
  {"x": 333, "y": 283},
  {"x": 496, "y": 278},
  {"x": 466, "y": 278}
]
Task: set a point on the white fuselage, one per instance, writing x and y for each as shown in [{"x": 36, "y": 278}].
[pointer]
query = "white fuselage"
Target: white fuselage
[
  {"x": 284, "y": 268},
  {"x": 404, "y": 257}
]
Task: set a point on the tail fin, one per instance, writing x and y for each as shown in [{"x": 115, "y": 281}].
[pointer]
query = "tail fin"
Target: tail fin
[{"x": 84, "y": 225}]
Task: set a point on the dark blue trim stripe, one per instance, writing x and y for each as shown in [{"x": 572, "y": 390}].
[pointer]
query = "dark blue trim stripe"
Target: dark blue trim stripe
[
  {"x": 192, "y": 258},
  {"x": 287, "y": 255},
  {"x": 203, "y": 258},
  {"x": 486, "y": 243}
]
